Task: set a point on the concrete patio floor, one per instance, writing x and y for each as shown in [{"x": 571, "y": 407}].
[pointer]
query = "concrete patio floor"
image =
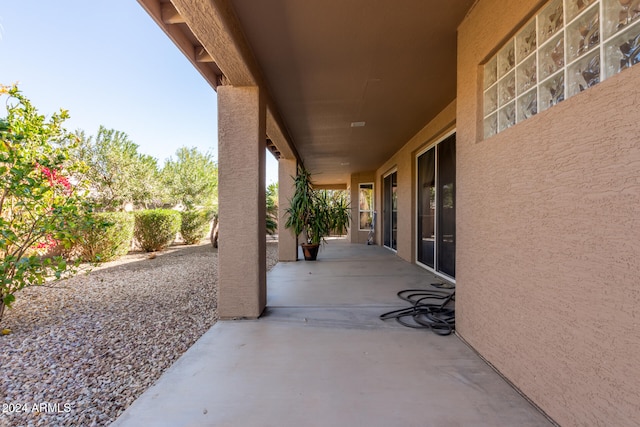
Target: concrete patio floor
[{"x": 320, "y": 356}]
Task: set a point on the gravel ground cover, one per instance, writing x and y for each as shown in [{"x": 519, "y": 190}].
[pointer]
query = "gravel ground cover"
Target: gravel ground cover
[{"x": 82, "y": 350}]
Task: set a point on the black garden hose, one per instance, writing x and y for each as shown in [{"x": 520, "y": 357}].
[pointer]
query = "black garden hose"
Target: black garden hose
[{"x": 430, "y": 309}]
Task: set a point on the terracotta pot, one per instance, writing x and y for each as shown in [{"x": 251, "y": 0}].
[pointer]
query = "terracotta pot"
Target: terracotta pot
[{"x": 310, "y": 251}]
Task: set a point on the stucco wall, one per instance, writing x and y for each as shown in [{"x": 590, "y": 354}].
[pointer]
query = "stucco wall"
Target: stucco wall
[
  {"x": 404, "y": 161},
  {"x": 548, "y": 275},
  {"x": 242, "y": 284}
]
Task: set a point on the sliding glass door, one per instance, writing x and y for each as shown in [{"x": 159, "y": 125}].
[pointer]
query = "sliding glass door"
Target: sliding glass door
[
  {"x": 427, "y": 208},
  {"x": 436, "y": 225},
  {"x": 446, "y": 207},
  {"x": 390, "y": 211}
]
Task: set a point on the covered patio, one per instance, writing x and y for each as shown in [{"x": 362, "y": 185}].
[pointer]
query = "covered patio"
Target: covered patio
[
  {"x": 443, "y": 121},
  {"x": 320, "y": 356}
]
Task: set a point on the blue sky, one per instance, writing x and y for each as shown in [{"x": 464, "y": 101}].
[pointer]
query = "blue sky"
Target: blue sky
[{"x": 109, "y": 64}]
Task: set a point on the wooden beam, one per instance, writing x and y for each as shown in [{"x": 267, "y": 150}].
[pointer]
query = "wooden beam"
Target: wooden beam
[
  {"x": 214, "y": 23},
  {"x": 202, "y": 55},
  {"x": 170, "y": 14},
  {"x": 176, "y": 34}
]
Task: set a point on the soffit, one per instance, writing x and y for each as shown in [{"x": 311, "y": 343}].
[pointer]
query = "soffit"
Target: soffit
[
  {"x": 390, "y": 64},
  {"x": 324, "y": 65}
]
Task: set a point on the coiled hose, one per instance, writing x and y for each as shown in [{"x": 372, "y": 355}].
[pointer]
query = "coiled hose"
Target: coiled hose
[{"x": 430, "y": 309}]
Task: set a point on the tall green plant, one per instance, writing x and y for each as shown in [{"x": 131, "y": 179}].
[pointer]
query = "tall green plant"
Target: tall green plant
[
  {"x": 337, "y": 202},
  {"x": 272, "y": 208},
  {"x": 301, "y": 207},
  {"x": 315, "y": 214},
  {"x": 42, "y": 198}
]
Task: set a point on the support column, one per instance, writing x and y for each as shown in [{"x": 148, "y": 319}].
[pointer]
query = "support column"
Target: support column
[
  {"x": 287, "y": 242},
  {"x": 242, "y": 280}
]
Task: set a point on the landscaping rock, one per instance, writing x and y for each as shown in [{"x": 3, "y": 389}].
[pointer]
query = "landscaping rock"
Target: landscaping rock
[{"x": 82, "y": 350}]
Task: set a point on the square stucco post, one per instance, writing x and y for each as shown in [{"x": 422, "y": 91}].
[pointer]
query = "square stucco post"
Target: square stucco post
[
  {"x": 242, "y": 278},
  {"x": 287, "y": 242}
]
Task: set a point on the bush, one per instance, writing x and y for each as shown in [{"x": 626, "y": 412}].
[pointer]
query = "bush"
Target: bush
[
  {"x": 43, "y": 196},
  {"x": 108, "y": 244},
  {"x": 194, "y": 225},
  {"x": 155, "y": 229}
]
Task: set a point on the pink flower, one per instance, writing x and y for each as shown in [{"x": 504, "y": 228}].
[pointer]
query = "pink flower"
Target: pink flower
[
  {"x": 55, "y": 178},
  {"x": 49, "y": 243}
]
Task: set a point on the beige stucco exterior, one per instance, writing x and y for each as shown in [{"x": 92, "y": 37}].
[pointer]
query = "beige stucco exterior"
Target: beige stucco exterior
[
  {"x": 404, "y": 162},
  {"x": 242, "y": 288},
  {"x": 548, "y": 237},
  {"x": 288, "y": 243},
  {"x": 547, "y": 211},
  {"x": 547, "y": 240},
  {"x": 546, "y": 217}
]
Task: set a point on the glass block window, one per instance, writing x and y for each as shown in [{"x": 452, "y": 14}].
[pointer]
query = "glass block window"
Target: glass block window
[{"x": 569, "y": 46}]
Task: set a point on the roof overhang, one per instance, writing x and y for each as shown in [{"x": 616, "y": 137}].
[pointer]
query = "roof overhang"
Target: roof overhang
[{"x": 347, "y": 82}]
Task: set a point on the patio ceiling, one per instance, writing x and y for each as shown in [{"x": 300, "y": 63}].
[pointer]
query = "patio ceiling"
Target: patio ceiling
[{"x": 348, "y": 81}]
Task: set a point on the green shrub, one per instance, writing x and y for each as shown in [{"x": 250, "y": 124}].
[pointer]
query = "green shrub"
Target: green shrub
[
  {"x": 194, "y": 225},
  {"x": 43, "y": 195},
  {"x": 107, "y": 244},
  {"x": 155, "y": 229}
]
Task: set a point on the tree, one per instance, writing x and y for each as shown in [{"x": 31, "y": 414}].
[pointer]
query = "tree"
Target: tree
[
  {"x": 272, "y": 208},
  {"x": 117, "y": 172},
  {"x": 42, "y": 197},
  {"x": 191, "y": 179}
]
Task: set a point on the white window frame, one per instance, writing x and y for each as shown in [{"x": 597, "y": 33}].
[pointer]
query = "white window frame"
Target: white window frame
[{"x": 371, "y": 209}]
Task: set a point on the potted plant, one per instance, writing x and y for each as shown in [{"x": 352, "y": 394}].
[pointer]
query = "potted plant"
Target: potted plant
[{"x": 315, "y": 214}]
